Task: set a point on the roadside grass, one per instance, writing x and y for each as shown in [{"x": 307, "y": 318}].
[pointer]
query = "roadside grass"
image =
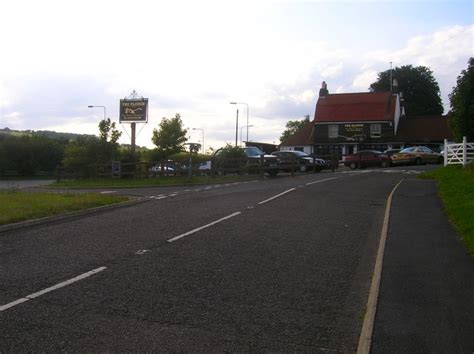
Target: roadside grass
[
  {"x": 149, "y": 182},
  {"x": 456, "y": 189},
  {"x": 16, "y": 206}
]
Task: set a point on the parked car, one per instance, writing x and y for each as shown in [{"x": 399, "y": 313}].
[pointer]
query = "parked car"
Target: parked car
[
  {"x": 166, "y": 169},
  {"x": 248, "y": 159},
  {"x": 288, "y": 160},
  {"x": 366, "y": 158},
  {"x": 416, "y": 155},
  {"x": 390, "y": 153}
]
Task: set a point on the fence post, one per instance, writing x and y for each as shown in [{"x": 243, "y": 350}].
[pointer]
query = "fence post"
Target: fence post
[
  {"x": 464, "y": 151},
  {"x": 445, "y": 157}
]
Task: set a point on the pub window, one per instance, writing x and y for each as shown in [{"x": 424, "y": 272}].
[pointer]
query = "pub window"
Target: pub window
[
  {"x": 333, "y": 131},
  {"x": 375, "y": 130}
]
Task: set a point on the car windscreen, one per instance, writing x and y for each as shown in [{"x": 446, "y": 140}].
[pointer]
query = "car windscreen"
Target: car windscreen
[
  {"x": 410, "y": 149},
  {"x": 253, "y": 151},
  {"x": 299, "y": 153}
]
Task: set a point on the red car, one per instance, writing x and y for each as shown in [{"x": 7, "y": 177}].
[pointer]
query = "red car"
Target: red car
[{"x": 365, "y": 158}]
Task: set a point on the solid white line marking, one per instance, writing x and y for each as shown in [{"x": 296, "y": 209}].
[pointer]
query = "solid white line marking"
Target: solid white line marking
[
  {"x": 203, "y": 227},
  {"x": 322, "y": 180},
  {"x": 365, "y": 338},
  {"x": 52, "y": 288},
  {"x": 13, "y": 303},
  {"x": 276, "y": 196}
]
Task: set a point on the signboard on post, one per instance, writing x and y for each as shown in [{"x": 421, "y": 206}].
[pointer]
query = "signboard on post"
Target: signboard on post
[{"x": 134, "y": 110}]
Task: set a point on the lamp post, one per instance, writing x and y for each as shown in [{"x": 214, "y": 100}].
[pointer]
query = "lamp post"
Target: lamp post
[
  {"x": 247, "y": 116},
  {"x": 203, "y": 148},
  {"x": 244, "y": 126},
  {"x": 105, "y": 110}
]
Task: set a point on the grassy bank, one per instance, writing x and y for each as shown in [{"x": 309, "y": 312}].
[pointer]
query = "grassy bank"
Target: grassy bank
[
  {"x": 18, "y": 206},
  {"x": 149, "y": 182},
  {"x": 456, "y": 188}
]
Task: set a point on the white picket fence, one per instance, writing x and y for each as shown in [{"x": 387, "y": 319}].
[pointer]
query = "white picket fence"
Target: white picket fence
[{"x": 458, "y": 154}]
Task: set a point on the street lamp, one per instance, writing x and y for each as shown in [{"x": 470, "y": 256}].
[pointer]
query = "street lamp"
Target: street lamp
[
  {"x": 247, "y": 116},
  {"x": 244, "y": 126},
  {"x": 105, "y": 110},
  {"x": 203, "y": 149}
]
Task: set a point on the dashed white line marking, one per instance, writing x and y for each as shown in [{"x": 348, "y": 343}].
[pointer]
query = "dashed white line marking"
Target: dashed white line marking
[
  {"x": 159, "y": 197},
  {"x": 108, "y": 192},
  {"x": 203, "y": 227},
  {"x": 321, "y": 180},
  {"x": 276, "y": 196},
  {"x": 51, "y": 288},
  {"x": 140, "y": 252},
  {"x": 173, "y": 195}
]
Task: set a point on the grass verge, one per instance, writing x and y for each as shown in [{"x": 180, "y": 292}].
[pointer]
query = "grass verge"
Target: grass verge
[
  {"x": 456, "y": 189},
  {"x": 149, "y": 182},
  {"x": 18, "y": 206}
]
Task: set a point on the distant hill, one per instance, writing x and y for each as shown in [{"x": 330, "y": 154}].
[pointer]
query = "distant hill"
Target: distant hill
[{"x": 46, "y": 133}]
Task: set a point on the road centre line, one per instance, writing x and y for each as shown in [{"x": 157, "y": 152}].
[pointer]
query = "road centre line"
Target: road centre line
[
  {"x": 276, "y": 196},
  {"x": 203, "y": 227},
  {"x": 108, "y": 192},
  {"x": 322, "y": 180},
  {"x": 51, "y": 288}
]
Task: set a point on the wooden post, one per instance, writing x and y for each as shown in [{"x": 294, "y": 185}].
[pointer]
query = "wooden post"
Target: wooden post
[
  {"x": 464, "y": 151},
  {"x": 445, "y": 157}
]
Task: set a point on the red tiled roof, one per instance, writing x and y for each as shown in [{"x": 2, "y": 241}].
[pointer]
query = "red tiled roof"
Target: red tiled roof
[
  {"x": 355, "y": 107},
  {"x": 303, "y": 136},
  {"x": 423, "y": 128}
]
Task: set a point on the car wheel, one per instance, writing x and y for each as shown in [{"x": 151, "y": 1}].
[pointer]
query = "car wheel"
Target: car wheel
[
  {"x": 384, "y": 164},
  {"x": 303, "y": 168},
  {"x": 353, "y": 165},
  {"x": 417, "y": 161},
  {"x": 273, "y": 173},
  {"x": 440, "y": 160}
]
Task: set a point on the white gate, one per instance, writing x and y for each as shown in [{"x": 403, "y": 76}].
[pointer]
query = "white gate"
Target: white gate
[{"x": 458, "y": 154}]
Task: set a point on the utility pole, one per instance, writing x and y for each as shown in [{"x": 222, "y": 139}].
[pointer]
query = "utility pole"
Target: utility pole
[{"x": 237, "y": 128}]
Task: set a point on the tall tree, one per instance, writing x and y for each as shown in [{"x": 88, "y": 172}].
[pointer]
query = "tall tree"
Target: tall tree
[
  {"x": 292, "y": 126},
  {"x": 108, "y": 139},
  {"x": 420, "y": 89},
  {"x": 170, "y": 137},
  {"x": 461, "y": 116}
]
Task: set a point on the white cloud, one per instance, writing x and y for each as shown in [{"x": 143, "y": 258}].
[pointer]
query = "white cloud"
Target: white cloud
[
  {"x": 445, "y": 52},
  {"x": 364, "y": 79}
]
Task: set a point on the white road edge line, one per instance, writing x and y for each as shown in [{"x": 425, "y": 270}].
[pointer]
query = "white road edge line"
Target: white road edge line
[
  {"x": 203, "y": 227},
  {"x": 322, "y": 180},
  {"x": 276, "y": 196},
  {"x": 365, "y": 338},
  {"x": 51, "y": 288}
]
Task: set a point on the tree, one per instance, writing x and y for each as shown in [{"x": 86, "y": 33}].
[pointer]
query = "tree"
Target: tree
[
  {"x": 108, "y": 132},
  {"x": 292, "y": 127},
  {"x": 108, "y": 137},
  {"x": 461, "y": 116},
  {"x": 170, "y": 137},
  {"x": 420, "y": 89}
]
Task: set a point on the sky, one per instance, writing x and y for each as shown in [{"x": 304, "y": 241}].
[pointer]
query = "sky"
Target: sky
[{"x": 194, "y": 57}]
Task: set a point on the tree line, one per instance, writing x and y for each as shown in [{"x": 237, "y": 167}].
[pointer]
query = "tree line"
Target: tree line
[{"x": 30, "y": 154}]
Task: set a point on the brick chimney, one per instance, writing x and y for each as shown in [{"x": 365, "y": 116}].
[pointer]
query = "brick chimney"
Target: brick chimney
[{"x": 323, "y": 92}]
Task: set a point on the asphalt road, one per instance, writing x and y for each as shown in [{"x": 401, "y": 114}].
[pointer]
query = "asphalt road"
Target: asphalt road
[{"x": 278, "y": 265}]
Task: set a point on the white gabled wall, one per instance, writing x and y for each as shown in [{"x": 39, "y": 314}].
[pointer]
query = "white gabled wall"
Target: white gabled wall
[{"x": 396, "y": 118}]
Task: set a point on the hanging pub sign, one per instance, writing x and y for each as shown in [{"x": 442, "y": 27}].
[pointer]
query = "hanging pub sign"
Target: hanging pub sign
[{"x": 134, "y": 110}]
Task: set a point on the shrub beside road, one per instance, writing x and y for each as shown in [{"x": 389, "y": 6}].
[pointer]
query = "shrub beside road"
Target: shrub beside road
[
  {"x": 456, "y": 189},
  {"x": 18, "y": 206}
]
